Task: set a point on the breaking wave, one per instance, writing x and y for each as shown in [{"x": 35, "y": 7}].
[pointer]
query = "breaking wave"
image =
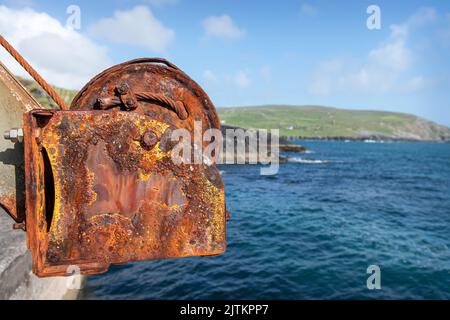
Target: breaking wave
[{"x": 307, "y": 160}]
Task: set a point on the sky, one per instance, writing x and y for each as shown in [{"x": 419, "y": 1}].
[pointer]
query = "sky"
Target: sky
[{"x": 250, "y": 52}]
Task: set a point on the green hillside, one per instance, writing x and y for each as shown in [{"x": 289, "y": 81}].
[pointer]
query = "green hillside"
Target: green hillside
[
  {"x": 42, "y": 97},
  {"x": 321, "y": 122}
]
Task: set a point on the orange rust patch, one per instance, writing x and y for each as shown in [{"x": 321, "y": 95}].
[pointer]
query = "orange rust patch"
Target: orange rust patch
[
  {"x": 116, "y": 196},
  {"x": 8, "y": 202}
]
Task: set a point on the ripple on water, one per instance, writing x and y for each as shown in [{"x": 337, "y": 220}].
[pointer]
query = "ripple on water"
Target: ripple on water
[{"x": 311, "y": 231}]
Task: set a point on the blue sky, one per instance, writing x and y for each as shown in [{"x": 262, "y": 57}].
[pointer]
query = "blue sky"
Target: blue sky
[{"x": 253, "y": 52}]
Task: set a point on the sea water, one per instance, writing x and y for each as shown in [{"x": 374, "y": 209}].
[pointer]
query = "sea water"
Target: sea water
[{"x": 312, "y": 230}]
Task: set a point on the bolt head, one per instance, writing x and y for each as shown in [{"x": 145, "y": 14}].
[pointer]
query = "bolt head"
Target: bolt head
[
  {"x": 130, "y": 104},
  {"x": 123, "y": 88},
  {"x": 149, "y": 139},
  {"x": 15, "y": 135}
]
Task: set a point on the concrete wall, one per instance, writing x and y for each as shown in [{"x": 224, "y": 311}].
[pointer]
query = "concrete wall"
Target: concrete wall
[{"x": 16, "y": 279}]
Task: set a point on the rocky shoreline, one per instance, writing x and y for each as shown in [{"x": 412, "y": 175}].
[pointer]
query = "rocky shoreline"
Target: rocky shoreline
[
  {"x": 287, "y": 144},
  {"x": 284, "y": 145}
]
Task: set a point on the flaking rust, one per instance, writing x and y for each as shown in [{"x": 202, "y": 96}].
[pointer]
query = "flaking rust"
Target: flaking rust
[{"x": 101, "y": 186}]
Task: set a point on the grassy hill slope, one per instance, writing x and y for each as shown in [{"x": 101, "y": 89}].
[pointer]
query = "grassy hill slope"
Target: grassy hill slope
[
  {"x": 42, "y": 97},
  {"x": 322, "y": 122}
]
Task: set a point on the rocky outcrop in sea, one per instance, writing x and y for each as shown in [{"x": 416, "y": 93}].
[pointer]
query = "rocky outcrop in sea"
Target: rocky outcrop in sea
[{"x": 266, "y": 149}]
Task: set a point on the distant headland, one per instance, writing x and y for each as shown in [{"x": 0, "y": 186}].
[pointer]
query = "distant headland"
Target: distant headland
[{"x": 326, "y": 123}]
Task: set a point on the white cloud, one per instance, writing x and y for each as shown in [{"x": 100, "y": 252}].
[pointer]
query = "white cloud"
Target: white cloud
[
  {"x": 414, "y": 84},
  {"x": 422, "y": 17},
  {"x": 137, "y": 27},
  {"x": 235, "y": 80},
  {"x": 63, "y": 57},
  {"x": 307, "y": 9},
  {"x": 242, "y": 80},
  {"x": 222, "y": 27},
  {"x": 383, "y": 70},
  {"x": 393, "y": 55}
]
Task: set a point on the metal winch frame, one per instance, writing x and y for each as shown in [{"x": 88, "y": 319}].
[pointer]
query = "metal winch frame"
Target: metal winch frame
[{"x": 97, "y": 185}]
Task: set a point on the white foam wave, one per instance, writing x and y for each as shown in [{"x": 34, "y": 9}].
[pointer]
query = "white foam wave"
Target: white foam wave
[{"x": 307, "y": 160}]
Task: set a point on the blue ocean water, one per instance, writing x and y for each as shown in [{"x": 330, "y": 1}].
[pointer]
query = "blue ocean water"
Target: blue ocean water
[{"x": 311, "y": 231}]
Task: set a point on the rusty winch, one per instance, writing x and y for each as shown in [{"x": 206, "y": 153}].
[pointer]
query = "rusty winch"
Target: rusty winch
[{"x": 101, "y": 186}]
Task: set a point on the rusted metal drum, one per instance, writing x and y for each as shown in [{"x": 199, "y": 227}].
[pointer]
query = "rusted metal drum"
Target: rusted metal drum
[{"x": 102, "y": 187}]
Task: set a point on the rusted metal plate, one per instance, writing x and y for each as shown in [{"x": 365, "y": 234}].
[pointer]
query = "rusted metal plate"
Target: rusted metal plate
[
  {"x": 101, "y": 184},
  {"x": 14, "y": 101}
]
